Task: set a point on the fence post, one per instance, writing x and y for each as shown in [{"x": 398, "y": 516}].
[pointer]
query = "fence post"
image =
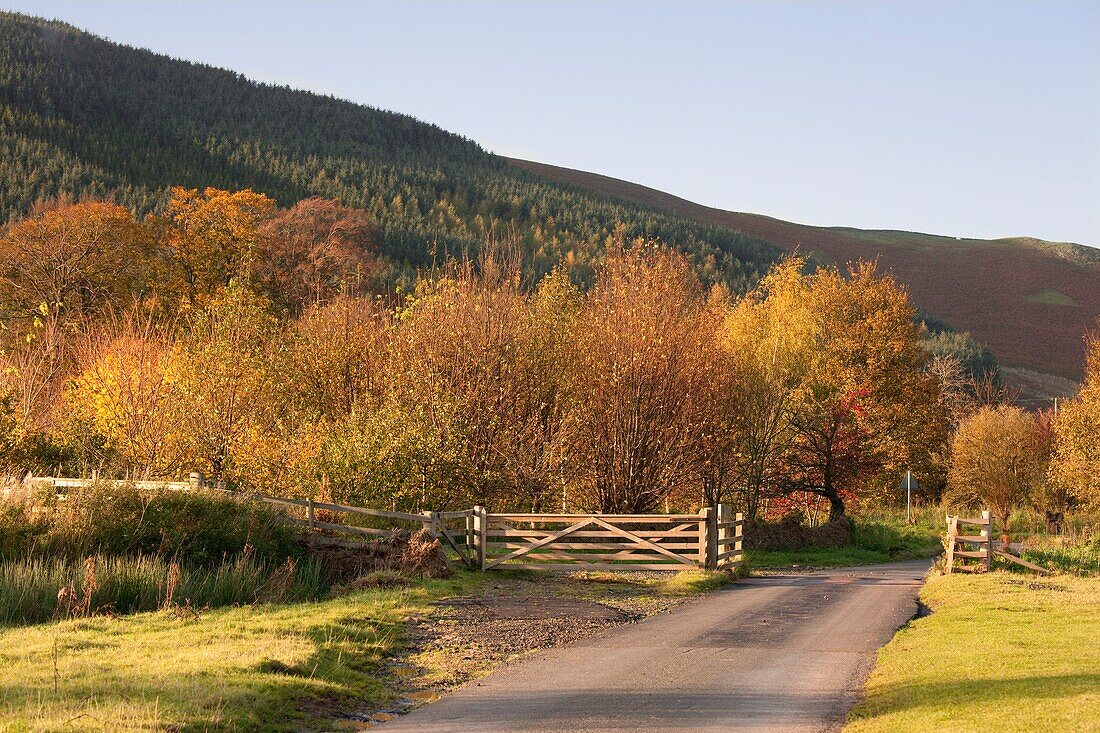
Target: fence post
[
  {"x": 987, "y": 560},
  {"x": 309, "y": 514},
  {"x": 739, "y": 537},
  {"x": 430, "y": 519},
  {"x": 723, "y": 533},
  {"x": 708, "y": 539},
  {"x": 952, "y": 530},
  {"x": 480, "y": 530},
  {"x": 470, "y": 537}
]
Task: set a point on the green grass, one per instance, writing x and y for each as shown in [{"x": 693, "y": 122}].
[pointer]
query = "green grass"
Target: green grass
[
  {"x": 1051, "y": 297},
  {"x": 1002, "y": 651},
  {"x": 1064, "y": 555},
  {"x": 263, "y": 667},
  {"x": 816, "y": 557},
  {"x": 877, "y": 537}
]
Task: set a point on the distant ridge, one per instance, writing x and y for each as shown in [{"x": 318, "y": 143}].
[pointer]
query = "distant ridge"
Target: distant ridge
[{"x": 1031, "y": 301}]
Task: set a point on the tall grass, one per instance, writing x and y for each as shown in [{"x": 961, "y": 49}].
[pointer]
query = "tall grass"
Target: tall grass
[
  {"x": 1064, "y": 554},
  {"x": 35, "y": 589}
]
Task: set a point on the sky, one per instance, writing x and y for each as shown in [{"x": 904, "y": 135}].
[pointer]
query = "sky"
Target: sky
[{"x": 965, "y": 118}]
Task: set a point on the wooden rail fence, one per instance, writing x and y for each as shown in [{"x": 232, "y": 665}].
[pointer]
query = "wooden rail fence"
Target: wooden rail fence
[
  {"x": 959, "y": 545},
  {"x": 983, "y": 541},
  {"x": 711, "y": 539}
]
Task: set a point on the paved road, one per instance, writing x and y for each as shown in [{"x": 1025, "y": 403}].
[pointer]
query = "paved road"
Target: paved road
[{"x": 782, "y": 653}]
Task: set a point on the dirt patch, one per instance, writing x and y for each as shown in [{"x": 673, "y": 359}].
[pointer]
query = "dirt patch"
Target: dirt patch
[
  {"x": 492, "y": 629},
  {"x": 465, "y": 638}
]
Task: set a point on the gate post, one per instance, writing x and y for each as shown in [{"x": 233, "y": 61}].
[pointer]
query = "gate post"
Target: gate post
[
  {"x": 708, "y": 538},
  {"x": 739, "y": 538},
  {"x": 480, "y": 531},
  {"x": 987, "y": 532},
  {"x": 722, "y": 544}
]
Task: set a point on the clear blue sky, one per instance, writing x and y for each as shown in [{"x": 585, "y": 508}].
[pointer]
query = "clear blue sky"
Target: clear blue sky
[{"x": 964, "y": 118}]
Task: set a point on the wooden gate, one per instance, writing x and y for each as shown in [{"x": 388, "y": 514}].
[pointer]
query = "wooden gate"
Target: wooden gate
[{"x": 607, "y": 541}]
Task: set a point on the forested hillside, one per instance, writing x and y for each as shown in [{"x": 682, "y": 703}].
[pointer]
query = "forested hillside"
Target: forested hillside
[{"x": 82, "y": 116}]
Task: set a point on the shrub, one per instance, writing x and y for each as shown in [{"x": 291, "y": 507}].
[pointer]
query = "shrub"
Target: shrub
[
  {"x": 117, "y": 519},
  {"x": 790, "y": 534}
]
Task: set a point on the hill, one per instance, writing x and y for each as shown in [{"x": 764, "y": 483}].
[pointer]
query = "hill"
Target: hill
[
  {"x": 1029, "y": 300},
  {"x": 81, "y": 115}
]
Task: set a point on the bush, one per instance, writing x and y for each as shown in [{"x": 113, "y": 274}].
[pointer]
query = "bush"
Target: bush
[
  {"x": 790, "y": 534},
  {"x": 118, "y": 519}
]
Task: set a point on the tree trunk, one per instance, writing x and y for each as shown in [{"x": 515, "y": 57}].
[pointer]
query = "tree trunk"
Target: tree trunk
[{"x": 836, "y": 507}]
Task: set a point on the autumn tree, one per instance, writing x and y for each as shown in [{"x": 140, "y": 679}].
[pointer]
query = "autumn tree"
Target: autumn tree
[
  {"x": 997, "y": 460},
  {"x": 212, "y": 237},
  {"x": 124, "y": 393},
  {"x": 69, "y": 262},
  {"x": 338, "y": 353},
  {"x": 1076, "y": 462},
  {"x": 769, "y": 333},
  {"x": 318, "y": 249},
  {"x": 470, "y": 365},
  {"x": 863, "y": 408},
  {"x": 227, "y": 378},
  {"x": 62, "y": 267},
  {"x": 717, "y": 408},
  {"x": 634, "y": 366}
]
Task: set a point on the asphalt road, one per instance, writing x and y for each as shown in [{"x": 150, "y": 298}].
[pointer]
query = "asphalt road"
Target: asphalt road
[{"x": 781, "y": 653}]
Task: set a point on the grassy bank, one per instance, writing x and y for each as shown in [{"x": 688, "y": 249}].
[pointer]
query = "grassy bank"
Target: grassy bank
[
  {"x": 1003, "y": 651},
  {"x": 264, "y": 667}
]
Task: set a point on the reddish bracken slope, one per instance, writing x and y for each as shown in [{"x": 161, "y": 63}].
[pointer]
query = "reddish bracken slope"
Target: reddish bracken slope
[{"x": 1030, "y": 301}]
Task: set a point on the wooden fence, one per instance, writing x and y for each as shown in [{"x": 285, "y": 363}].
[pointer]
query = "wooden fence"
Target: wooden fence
[
  {"x": 709, "y": 540},
  {"x": 983, "y": 541},
  {"x": 958, "y": 545},
  {"x": 712, "y": 539}
]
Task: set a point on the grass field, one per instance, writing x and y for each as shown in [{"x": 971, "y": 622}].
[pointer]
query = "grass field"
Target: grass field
[
  {"x": 264, "y": 667},
  {"x": 1003, "y": 651},
  {"x": 249, "y": 668}
]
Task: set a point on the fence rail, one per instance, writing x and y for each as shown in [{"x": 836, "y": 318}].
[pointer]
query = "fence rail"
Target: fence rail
[{"x": 711, "y": 539}]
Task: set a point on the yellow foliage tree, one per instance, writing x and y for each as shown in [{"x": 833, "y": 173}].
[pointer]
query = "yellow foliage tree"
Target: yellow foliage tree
[
  {"x": 212, "y": 237},
  {"x": 125, "y": 395},
  {"x": 1076, "y": 464},
  {"x": 997, "y": 460}
]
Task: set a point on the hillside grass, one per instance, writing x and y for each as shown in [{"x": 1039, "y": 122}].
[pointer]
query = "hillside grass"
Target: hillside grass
[
  {"x": 1002, "y": 651},
  {"x": 1051, "y": 297}
]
